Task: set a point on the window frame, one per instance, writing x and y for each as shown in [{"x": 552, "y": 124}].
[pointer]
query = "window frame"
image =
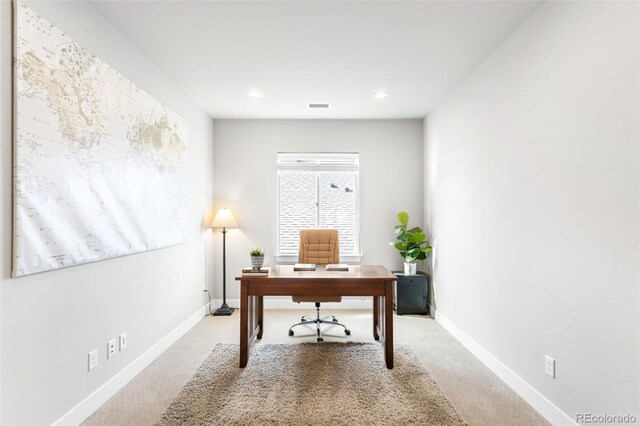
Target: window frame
[{"x": 290, "y": 258}]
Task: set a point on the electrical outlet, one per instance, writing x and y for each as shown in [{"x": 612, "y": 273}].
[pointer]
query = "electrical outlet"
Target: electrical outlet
[
  {"x": 123, "y": 341},
  {"x": 550, "y": 366},
  {"x": 93, "y": 359},
  {"x": 111, "y": 348}
]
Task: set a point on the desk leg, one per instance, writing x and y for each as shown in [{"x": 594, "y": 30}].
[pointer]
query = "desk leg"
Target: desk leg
[
  {"x": 260, "y": 308},
  {"x": 244, "y": 323},
  {"x": 388, "y": 324},
  {"x": 376, "y": 317}
]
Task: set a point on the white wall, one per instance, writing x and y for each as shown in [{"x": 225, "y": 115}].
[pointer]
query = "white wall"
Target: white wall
[
  {"x": 531, "y": 183},
  {"x": 50, "y": 321},
  {"x": 245, "y": 180}
]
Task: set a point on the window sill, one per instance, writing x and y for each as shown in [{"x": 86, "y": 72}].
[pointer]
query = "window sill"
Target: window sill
[{"x": 352, "y": 259}]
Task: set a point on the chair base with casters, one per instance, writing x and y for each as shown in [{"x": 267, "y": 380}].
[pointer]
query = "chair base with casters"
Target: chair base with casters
[{"x": 317, "y": 321}]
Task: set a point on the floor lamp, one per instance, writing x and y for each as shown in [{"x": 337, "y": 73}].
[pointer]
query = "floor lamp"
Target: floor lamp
[{"x": 224, "y": 219}]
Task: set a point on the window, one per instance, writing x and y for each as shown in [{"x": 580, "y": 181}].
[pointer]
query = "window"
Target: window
[{"x": 318, "y": 191}]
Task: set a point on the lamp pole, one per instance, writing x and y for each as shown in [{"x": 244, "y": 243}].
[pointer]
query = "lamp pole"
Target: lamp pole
[
  {"x": 224, "y": 309},
  {"x": 224, "y": 219}
]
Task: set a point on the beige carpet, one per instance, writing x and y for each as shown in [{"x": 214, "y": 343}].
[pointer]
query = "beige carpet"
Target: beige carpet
[
  {"x": 479, "y": 395},
  {"x": 330, "y": 383}
]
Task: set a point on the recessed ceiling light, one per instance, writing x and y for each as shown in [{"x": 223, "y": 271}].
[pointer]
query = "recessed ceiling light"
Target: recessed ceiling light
[
  {"x": 380, "y": 94},
  {"x": 255, "y": 94}
]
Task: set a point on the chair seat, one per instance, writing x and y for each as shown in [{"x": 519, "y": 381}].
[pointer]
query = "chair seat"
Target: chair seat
[{"x": 317, "y": 299}]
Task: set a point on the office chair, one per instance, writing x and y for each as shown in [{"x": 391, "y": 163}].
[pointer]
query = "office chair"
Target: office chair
[{"x": 319, "y": 246}]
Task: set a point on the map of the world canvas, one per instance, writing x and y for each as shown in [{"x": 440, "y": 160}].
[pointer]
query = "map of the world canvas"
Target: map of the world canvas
[{"x": 99, "y": 164}]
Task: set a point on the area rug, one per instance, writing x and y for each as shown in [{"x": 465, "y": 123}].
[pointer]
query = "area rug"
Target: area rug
[{"x": 311, "y": 384}]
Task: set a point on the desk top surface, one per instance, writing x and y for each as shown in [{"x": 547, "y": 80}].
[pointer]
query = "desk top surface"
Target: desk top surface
[{"x": 355, "y": 272}]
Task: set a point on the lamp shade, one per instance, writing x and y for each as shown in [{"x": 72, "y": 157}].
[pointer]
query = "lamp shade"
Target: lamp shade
[{"x": 224, "y": 219}]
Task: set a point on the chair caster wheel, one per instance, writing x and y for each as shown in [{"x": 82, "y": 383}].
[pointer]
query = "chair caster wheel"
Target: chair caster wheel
[
  {"x": 347, "y": 332},
  {"x": 335, "y": 320},
  {"x": 320, "y": 339},
  {"x": 290, "y": 332}
]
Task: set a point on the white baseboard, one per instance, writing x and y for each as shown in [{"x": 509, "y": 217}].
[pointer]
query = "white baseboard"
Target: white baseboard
[
  {"x": 286, "y": 303},
  {"x": 534, "y": 398},
  {"x": 90, "y": 404}
]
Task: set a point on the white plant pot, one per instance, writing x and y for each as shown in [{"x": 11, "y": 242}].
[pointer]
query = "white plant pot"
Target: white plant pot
[
  {"x": 410, "y": 268},
  {"x": 257, "y": 261}
]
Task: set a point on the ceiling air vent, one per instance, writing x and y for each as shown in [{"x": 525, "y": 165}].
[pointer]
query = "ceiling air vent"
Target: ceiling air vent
[{"x": 319, "y": 106}]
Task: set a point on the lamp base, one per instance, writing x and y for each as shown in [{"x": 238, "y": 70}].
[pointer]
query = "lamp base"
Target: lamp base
[{"x": 223, "y": 310}]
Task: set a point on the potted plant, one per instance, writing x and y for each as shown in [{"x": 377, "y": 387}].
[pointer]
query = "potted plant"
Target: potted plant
[
  {"x": 257, "y": 258},
  {"x": 412, "y": 243}
]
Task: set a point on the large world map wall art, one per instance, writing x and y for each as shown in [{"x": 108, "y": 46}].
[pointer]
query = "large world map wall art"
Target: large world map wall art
[{"x": 99, "y": 164}]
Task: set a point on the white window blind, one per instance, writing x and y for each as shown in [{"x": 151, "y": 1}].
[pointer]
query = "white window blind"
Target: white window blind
[{"x": 318, "y": 190}]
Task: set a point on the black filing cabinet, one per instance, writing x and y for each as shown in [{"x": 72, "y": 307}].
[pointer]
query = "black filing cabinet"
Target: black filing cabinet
[{"x": 410, "y": 295}]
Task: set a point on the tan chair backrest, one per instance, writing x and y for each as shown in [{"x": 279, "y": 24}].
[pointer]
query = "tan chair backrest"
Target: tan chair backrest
[{"x": 319, "y": 246}]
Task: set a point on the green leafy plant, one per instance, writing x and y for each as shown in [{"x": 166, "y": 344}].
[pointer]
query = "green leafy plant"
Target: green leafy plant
[
  {"x": 256, "y": 252},
  {"x": 412, "y": 243}
]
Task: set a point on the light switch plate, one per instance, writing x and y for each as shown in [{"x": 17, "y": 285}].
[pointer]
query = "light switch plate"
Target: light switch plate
[
  {"x": 123, "y": 341},
  {"x": 93, "y": 359},
  {"x": 550, "y": 366}
]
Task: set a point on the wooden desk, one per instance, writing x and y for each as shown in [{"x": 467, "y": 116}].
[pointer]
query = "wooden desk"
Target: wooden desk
[{"x": 364, "y": 280}]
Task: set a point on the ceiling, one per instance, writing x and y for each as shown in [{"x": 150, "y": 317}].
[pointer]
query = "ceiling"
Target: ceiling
[{"x": 301, "y": 52}]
